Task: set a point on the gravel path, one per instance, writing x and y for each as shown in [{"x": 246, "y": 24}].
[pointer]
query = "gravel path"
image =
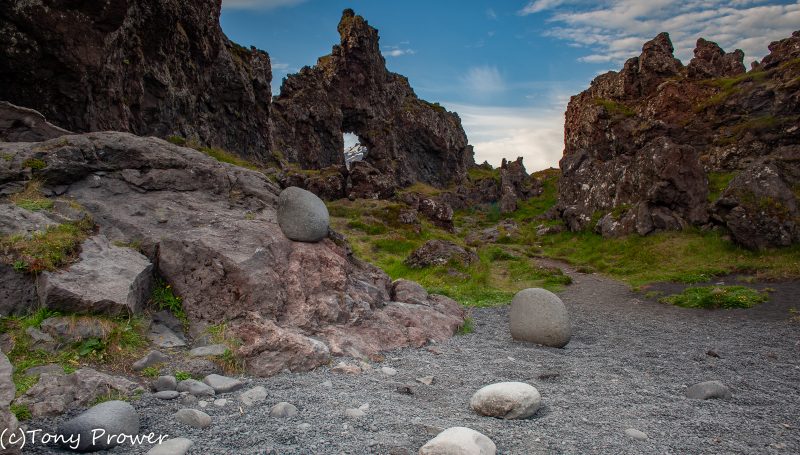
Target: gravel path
[{"x": 627, "y": 366}]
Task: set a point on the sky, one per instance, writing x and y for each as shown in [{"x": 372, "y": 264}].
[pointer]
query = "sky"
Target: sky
[{"x": 508, "y": 68}]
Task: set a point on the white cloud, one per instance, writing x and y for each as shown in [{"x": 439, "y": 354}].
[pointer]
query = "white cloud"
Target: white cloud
[
  {"x": 280, "y": 67},
  {"x": 491, "y": 14},
  {"x": 483, "y": 80},
  {"x": 259, "y": 4},
  {"x": 396, "y": 51},
  {"x": 616, "y": 30},
  {"x": 537, "y": 6},
  {"x": 536, "y": 134}
]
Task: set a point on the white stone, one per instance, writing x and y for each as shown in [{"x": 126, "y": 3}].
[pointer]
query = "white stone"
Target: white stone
[
  {"x": 507, "y": 400},
  {"x": 459, "y": 441}
]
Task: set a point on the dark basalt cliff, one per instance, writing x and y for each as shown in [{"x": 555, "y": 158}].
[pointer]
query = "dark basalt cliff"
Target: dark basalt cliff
[
  {"x": 151, "y": 67},
  {"x": 662, "y": 146},
  {"x": 351, "y": 90}
]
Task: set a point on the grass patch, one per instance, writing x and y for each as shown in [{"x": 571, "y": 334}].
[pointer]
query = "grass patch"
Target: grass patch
[
  {"x": 182, "y": 376},
  {"x": 21, "y": 411},
  {"x": 717, "y": 182},
  {"x": 229, "y": 362},
  {"x": 714, "y": 297},
  {"x": 467, "y": 327},
  {"x": 151, "y": 372},
  {"x": 164, "y": 298},
  {"x": 31, "y": 198},
  {"x": 35, "y": 164},
  {"x": 423, "y": 189},
  {"x": 481, "y": 173},
  {"x": 614, "y": 108},
  {"x": 227, "y": 157},
  {"x": 50, "y": 249}
]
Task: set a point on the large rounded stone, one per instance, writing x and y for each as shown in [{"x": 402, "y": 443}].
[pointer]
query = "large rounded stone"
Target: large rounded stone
[
  {"x": 459, "y": 441},
  {"x": 507, "y": 400},
  {"x": 101, "y": 427},
  {"x": 302, "y": 216},
  {"x": 539, "y": 316},
  {"x": 708, "y": 390}
]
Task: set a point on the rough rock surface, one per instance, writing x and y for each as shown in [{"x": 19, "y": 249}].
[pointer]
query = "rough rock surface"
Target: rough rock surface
[
  {"x": 212, "y": 229},
  {"x": 459, "y": 441},
  {"x": 152, "y": 67},
  {"x": 7, "y": 393},
  {"x": 350, "y": 90},
  {"x": 506, "y": 400},
  {"x": 112, "y": 417},
  {"x": 439, "y": 252},
  {"x": 643, "y": 145},
  {"x": 302, "y": 216},
  {"x": 73, "y": 329},
  {"x": 539, "y": 316},
  {"x": 20, "y": 124},
  {"x": 17, "y": 291},
  {"x": 56, "y": 393},
  {"x": 107, "y": 279}
]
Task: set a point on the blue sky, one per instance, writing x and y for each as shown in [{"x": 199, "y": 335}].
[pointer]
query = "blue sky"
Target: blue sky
[{"x": 507, "y": 67}]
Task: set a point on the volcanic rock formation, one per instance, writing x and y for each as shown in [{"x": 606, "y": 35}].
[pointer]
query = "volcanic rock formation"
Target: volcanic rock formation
[
  {"x": 408, "y": 139},
  {"x": 151, "y": 67},
  {"x": 654, "y": 146},
  {"x": 211, "y": 230}
]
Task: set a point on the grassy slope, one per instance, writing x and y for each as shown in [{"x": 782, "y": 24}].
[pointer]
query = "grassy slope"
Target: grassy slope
[{"x": 508, "y": 266}]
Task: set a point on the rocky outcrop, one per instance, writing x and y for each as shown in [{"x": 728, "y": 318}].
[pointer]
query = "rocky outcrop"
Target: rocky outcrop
[
  {"x": 407, "y": 139},
  {"x": 644, "y": 145},
  {"x": 152, "y": 67},
  {"x": 212, "y": 230},
  {"x": 440, "y": 252},
  {"x": 19, "y": 124},
  {"x": 8, "y": 421}
]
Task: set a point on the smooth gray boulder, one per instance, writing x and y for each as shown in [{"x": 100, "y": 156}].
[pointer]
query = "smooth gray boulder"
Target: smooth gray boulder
[
  {"x": 165, "y": 383},
  {"x": 177, "y": 446},
  {"x": 459, "y": 441},
  {"x": 193, "y": 418},
  {"x": 283, "y": 409},
  {"x": 167, "y": 394},
  {"x": 107, "y": 279},
  {"x": 95, "y": 425},
  {"x": 636, "y": 434},
  {"x": 213, "y": 350},
  {"x": 708, "y": 390},
  {"x": 302, "y": 215},
  {"x": 152, "y": 358},
  {"x": 255, "y": 395},
  {"x": 506, "y": 400},
  {"x": 539, "y": 316},
  {"x": 163, "y": 337},
  {"x": 196, "y": 388},
  {"x": 222, "y": 384}
]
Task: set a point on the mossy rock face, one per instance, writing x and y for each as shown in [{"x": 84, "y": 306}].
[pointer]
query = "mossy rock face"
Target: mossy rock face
[{"x": 760, "y": 208}]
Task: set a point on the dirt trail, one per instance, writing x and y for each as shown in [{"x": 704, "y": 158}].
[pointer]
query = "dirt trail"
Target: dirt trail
[{"x": 627, "y": 366}]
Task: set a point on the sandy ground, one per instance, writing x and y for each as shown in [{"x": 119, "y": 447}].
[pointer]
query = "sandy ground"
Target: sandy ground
[{"x": 627, "y": 366}]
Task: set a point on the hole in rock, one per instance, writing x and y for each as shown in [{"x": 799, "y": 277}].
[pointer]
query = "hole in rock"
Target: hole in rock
[{"x": 354, "y": 149}]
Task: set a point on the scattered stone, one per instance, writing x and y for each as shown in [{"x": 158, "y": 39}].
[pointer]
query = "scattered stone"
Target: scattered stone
[
  {"x": 354, "y": 413},
  {"x": 152, "y": 358},
  {"x": 193, "y": 418},
  {"x": 327, "y": 384},
  {"x": 71, "y": 329},
  {"x": 636, "y": 434},
  {"x": 113, "y": 417},
  {"x": 255, "y": 395},
  {"x": 548, "y": 375},
  {"x": 712, "y": 353},
  {"x": 214, "y": 350},
  {"x": 439, "y": 252},
  {"x": 220, "y": 402},
  {"x": 107, "y": 279},
  {"x": 164, "y": 383},
  {"x": 177, "y": 446},
  {"x": 198, "y": 367},
  {"x": 405, "y": 390},
  {"x": 163, "y": 337},
  {"x": 427, "y": 380},
  {"x": 166, "y": 318},
  {"x": 50, "y": 368},
  {"x": 539, "y": 316},
  {"x": 507, "y": 400},
  {"x": 345, "y": 368},
  {"x": 283, "y": 409},
  {"x": 434, "y": 350},
  {"x": 302, "y": 216},
  {"x": 304, "y": 426},
  {"x": 459, "y": 441},
  {"x": 37, "y": 336},
  {"x": 202, "y": 403},
  {"x": 388, "y": 371},
  {"x": 708, "y": 390},
  {"x": 56, "y": 393},
  {"x": 167, "y": 394},
  {"x": 223, "y": 384},
  {"x": 196, "y": 388},
  {"x": 187, "y": 399}
]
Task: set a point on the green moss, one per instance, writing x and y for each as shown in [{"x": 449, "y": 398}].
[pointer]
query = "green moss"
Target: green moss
[
  {"x": 164, "y": 298},
  {"x": 480, "y": 173},
  {"x": 614, "y": 107},
  {"x": 182, "y": 376},
  {"x": 177, "y": 140},
  {"x": 226, "y": 157},
  {"x": 31, "y": 198},
  {"x": 7, "y": 156},
  {"x": 35, "y": 164},
  {"x": 714, "y": 297},
  {"x": 717, "y": 183},
  {"x": 728, "y": 86},
  {"x": 50, "y": 249},
  {"x": 423, "y": 189},
  {"x": 151, "y": 372},
  {"x": 21, "y": 412}
]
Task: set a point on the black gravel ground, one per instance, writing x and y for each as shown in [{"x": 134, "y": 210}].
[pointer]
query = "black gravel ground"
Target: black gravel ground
[{"x": 627, "y": 366}]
